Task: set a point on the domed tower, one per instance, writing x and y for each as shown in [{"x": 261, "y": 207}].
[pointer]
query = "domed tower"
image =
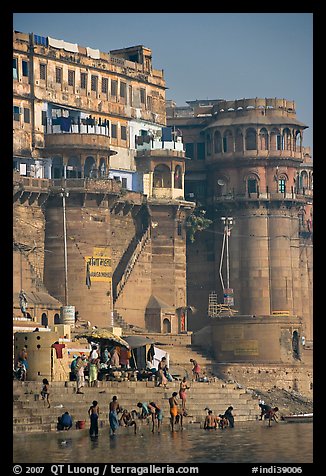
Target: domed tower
[{"x": 254, "y": 155}]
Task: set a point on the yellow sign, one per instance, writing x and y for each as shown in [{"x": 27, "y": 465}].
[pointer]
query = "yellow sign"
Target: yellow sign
[
  {"x": 246, "y": 347},
  {"x": 100, "y": 266}
]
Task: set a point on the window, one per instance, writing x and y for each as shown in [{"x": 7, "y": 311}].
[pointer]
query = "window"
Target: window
[
  {"x": 25, "y": 68},
  {"x": 71, "y": 78},
  {"x": 278, "y": 142},
  {"x": 252, "y": 185},
  {"x": 43, "y": 72},
  {"x": 143, "y": 95},
  {"x": 105, "y": 85},
  {"x": 14, "y": 68},
  {"x": 281, "y": 185},
  {"x": 16, "y": 112},
  {"x": 201, "y": 151},
  {"x": 114, "y": 130},
  {"x": 83, "y": 80},
  {"x": 27, "y": 115},
  {"x": 124, "y": 182},
  {"x": 94, "y": 82},
  {"x": 58, "y": 75},
  {"x": 225, "y": 144},
  {"x": 114, "y": 87},
  {"x": 130, "y": 96},
  {"x": 44, "y": 118},
  {"x": 190, "y": 150},
  {"x": 123, "y": 133},
  {"x": 123, "y": 90}
]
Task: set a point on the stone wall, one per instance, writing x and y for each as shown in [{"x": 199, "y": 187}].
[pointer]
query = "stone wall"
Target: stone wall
[{"x": 267, "y": 376}]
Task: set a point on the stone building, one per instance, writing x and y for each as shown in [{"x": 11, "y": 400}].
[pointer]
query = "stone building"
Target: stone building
[
  {"x": 107, "y": 173},
  {"x": 98, "y": 182}
]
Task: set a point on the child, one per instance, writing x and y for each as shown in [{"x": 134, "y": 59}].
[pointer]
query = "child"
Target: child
[
  {"x": 93, "y": 413},
  {"x": 45, "y": 391}
]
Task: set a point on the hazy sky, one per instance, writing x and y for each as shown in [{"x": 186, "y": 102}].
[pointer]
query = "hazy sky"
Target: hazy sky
[{"x": 204, "y": 55}]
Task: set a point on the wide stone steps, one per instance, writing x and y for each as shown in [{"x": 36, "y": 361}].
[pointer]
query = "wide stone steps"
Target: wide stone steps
[{"x": 31, "y": 413}]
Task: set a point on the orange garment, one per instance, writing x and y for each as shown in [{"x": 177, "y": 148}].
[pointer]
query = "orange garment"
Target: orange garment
[{"x": 174, "y": 411}]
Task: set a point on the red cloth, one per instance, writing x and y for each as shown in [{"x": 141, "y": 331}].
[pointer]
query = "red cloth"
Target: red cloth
[{"x": 58, "y": 348}]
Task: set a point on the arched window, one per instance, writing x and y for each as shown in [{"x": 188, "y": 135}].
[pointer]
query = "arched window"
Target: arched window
[
  {"x": 297, "y": 137},
  {"x": 73, "y": 168},
  {"x": 282, "y": 179},
  {"x": 56, "y": 318},
  {"x": 166, "y": 326},
  {"x": 57, "y": 167},
  {"x": 276, "y": 142},
  {"x": 178, "y": 177},
  {"x": 304, "y": 179},
  {"x": 287, "y": 139},
  {"x": 102, "y": 168},
  {"x": 217, "y": 142},
  {"x": 227, "y": 141},
  {"x": 89, "y": 167},
  {"x": 44, "y": 320},
  {"x": 252, "y": 184},
  {"x": 162, "y": 176},
  {"x": 263, "y": 137},
  {"x": 251, "y": 142}
]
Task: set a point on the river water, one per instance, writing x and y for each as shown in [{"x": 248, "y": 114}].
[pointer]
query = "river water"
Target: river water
[{"x": 251, "y": 442}]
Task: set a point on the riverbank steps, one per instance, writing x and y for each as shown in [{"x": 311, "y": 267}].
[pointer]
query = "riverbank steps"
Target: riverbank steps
[{"x": 31, "y": 413}]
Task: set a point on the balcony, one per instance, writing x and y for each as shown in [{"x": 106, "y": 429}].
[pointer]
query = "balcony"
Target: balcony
[
  {"x": 256, "y": 155},
  {"x": 59, "y": 142}
]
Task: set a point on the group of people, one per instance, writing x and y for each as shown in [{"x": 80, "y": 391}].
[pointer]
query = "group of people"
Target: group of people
[
  {"x": 212, "y": 422},
  {"x": 94, "y": 362},
  {"x": 119, "y": 416}
]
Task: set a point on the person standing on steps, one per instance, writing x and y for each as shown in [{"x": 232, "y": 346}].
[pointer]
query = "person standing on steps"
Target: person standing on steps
[
  {"x": 80, "y": 369},
  {"x": 182, "y": 392},
  {"x": 173, "y": 409},
  {"x": 114, "y": 407},
  {"x": 45, "y": 393},
  {"x": 195, "y": 370},
  {"x": 94, "y": 363},
  {"x": 93, "y": 413}
]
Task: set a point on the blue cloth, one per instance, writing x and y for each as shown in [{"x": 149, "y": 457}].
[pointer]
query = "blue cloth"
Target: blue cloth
[
  {"x": 167, "y": 134},
  {"x": 66, "y": 420},
  {"x": 113, "y": 420}
]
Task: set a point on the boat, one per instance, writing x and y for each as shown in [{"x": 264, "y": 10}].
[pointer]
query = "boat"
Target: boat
[{"x": 298, "y": 417}]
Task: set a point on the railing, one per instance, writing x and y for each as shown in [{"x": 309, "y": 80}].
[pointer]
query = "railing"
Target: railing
[
  {"x": 132, "y": 261},
  {"x": 292, "y": 195}
]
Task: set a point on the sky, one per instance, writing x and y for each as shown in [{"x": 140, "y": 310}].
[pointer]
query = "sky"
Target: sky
[{"x": 204, "y": 55}]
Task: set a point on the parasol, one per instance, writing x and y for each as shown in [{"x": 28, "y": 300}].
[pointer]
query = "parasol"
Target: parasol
[
  {"x": 97, "y": 335},
  {"x": 139, "y": 341}
]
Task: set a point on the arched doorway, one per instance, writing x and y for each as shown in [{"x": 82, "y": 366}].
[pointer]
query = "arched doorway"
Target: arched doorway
[
  {"x": 56, "y": 319},
  {"x": 44, "y": 320},
  {"x": 295, "y": 345},
  {"x": 162, "y": 176},
  {"x": 166, "y": 326}
]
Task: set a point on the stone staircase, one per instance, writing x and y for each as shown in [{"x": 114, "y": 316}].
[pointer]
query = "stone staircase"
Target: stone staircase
[
  {"x": 181, "y": 350},
  {"x": 30, "y": 413}
]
